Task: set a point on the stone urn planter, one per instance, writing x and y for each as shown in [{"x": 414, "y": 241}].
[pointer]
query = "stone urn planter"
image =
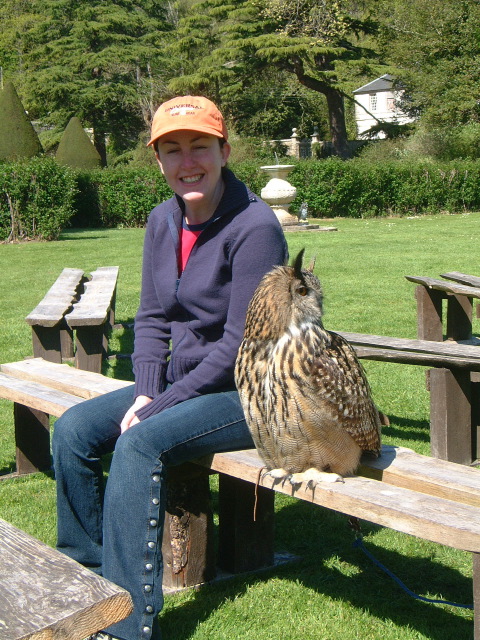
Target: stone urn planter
[{"x": 279, "y": 193}]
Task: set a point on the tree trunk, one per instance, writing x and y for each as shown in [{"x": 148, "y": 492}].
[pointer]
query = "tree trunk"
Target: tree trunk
[
  {"x": 338, "y": 129},
  {"x": 336, "y": 108},
  {"x": 100, "y": 144}
]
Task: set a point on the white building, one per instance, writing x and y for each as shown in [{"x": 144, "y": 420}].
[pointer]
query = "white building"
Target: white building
[{"x": 376, "y": 101}]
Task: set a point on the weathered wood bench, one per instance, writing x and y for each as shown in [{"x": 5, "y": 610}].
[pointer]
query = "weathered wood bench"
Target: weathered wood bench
[
  {"x": 51, "y": 336},
  {"x": 75, "y": 312},
  {"x": 45, "y": 595},
  {"x": 426, "y": 497},
  {"x": 444, "y": 313},
  {"x": 38, "y": 389},
  {"x": 458, "y": 290}
]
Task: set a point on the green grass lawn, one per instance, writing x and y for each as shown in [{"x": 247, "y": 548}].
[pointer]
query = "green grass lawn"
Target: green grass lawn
[{"x": 332, "y": 591}]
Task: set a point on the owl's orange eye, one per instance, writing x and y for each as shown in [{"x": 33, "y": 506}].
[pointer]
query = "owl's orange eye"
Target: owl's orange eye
[{"x": 302, "y": 291}]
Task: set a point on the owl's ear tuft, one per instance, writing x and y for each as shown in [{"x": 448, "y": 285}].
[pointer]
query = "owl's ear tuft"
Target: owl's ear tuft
[
  {"x": 297, "y": 265},
  {"x": 311, "y": 266}
]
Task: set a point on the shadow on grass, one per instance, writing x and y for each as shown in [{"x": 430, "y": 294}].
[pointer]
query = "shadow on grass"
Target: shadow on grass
[
  {"x": 120, "y": 350},
  {"x": 9, "y": 467},
  {"x": 83, "y": 233},
  {"x": 325, "y": 544},
  {"x": 407, "y": 429}
]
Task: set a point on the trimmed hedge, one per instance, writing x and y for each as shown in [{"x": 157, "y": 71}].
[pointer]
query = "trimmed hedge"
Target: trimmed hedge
[
  {"x": 36, "y": 199},
  {"x": 39, "y": 198},
  {"x": 75, "y": 149},
  {"x": 126, "y": 196},
  {"x": 359, "y": 189},
  {"x": 18, "y": 138},
  {"x": 123, "y": 197}
]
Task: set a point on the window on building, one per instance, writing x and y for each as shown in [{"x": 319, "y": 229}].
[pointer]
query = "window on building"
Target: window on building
[
  {"x": 373, "y": 102},
  {"x": 390, "y": 104}
]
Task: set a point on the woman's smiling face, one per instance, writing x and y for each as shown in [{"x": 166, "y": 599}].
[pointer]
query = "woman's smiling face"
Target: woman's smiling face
[{"x": 192, "y": 165}]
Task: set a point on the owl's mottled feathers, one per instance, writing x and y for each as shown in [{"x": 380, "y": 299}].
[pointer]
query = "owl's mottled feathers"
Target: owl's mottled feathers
[{"x": 305, "y": 395}]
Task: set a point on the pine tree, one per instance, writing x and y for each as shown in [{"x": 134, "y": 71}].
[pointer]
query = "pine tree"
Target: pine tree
[
  {"x": 99, "y": 59},
  {"x": 311, "y": 39},
  {"x": 75, "y": 149},
  {"x": 18, "y": 138}
]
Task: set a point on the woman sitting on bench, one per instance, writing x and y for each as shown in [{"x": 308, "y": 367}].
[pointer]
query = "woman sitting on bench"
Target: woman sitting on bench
[{"x": 205, "y": 251}]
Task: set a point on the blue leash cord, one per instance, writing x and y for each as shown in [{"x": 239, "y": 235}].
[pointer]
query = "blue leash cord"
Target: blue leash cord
[{"x": 359, "y": 543}]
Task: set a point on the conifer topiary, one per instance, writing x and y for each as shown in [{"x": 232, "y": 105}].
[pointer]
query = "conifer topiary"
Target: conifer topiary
[
  {"x": 18, "y": 138},
  {"x": 75, "y": 149}
]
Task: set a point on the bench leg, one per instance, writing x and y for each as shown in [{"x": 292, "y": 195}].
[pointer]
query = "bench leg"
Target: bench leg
[
  {"x": 89, "y": 348},
  {"x": 32, "y": 438},
  {"x": 47, "y": 343},
  {"x": 451, "y": 434},
  {"x": 188, "y": 550},
  {"x": 476, "y": 595},
  {"x": 475, "y": 377},
  {"x": 66, "y": 343},
  {"x": 246, "y": 524},
  {"x": 429, "y": 313},
  {"x": 459, "y": 317}
]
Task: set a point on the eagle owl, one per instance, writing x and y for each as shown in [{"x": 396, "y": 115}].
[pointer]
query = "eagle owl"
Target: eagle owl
[{"x": 305, "y": 395}]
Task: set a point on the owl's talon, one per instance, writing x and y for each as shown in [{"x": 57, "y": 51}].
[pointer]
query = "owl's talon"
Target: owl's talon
[
  {"x": 312, "y": 477},
  {"x": 278, "y": 475},
  {"x": 294, "y": 480}
]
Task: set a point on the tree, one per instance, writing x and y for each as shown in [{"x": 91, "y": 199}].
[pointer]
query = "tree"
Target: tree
[
  {"x": 100, "y": 60},
  {"x": 311, "y": 39},
  {"x": 434, "y": 45}
]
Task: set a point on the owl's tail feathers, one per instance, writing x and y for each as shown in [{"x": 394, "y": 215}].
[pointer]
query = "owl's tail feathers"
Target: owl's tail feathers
[{"x": 384, "y": 420}]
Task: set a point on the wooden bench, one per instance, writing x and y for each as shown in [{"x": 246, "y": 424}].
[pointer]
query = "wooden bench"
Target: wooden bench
[
  {"x": 45, "y": 595},
  {"x": 52, "y": 338},
  {"x": 458, "y": 290},
  {"x": 426, "y": 497},
  {"x": 455, "y": 392},
  {"x": 39, "y": 388},
  {"x": 432, "y": 499},
  {"x": 74, "y": 318}
]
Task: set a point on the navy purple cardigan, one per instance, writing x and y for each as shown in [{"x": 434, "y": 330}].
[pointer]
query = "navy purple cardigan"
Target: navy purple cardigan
[{"x": 188, "y": 329}]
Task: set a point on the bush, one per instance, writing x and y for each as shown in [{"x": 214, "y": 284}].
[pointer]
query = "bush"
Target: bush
[
  {"x": 126, "y": 196},
  {"x": 360, "y": 189},
  {"x": 36, "y": 199},
  {"x": 331, "y": 188}
]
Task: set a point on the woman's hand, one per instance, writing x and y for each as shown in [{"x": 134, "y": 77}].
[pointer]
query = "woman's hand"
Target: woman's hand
[{"x": 130, "y": 417}]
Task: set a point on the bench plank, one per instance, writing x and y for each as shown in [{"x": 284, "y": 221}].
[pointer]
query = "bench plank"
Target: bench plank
[
  {"x": 84, "y": 384},
  {"x": 449, "y": 349},
  {"x": 37, "y": 396},
  {"x": 414, "y": 357},
  {"x": 405, "y": 468},
  {"x": 32, "y": 574},
  {"x": 426, "y": 516},
  {"x": 462, "y": 278},
  {"x": 447, "y": 287},
  {"x": 94, "y": 306},
  {"x": 58, "y": 299}
]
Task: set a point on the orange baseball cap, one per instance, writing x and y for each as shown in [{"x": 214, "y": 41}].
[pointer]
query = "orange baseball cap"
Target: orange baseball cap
[{"x": 188, "y": 113}]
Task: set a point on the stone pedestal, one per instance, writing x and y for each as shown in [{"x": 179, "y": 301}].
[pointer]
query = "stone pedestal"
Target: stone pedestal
[{"x": 279, "y": 193}]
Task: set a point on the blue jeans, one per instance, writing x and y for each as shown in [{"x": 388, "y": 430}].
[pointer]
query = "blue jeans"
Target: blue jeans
[{"x": 117, "y": 532}]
